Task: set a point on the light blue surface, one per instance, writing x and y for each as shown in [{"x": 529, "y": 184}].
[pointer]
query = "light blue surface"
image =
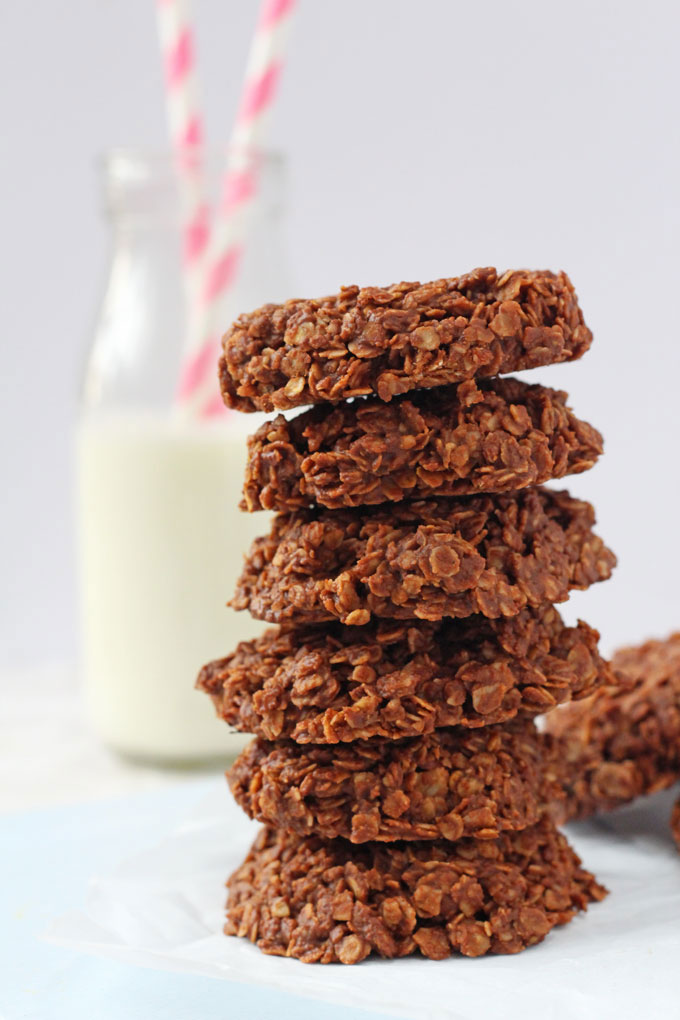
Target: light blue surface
[{"x": 46, "y": 858}]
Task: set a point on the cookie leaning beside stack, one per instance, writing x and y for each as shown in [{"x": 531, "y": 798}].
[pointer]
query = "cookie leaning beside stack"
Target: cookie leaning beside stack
[
  {"x": 411, "y": 569},
  {"x": 623, "y": 742}
]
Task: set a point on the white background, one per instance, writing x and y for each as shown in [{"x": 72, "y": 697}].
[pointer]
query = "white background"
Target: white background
[{"x": 424, "y": 138}]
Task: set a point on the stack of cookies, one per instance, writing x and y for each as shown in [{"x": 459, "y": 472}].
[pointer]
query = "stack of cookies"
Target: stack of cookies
[{"x": 411, "y": 568}]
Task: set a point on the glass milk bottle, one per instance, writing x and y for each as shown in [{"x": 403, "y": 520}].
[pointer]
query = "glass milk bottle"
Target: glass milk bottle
[{"x": 161, "y": 538}]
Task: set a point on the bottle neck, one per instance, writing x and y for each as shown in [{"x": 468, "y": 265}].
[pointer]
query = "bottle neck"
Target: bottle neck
[{"x": 140, "y": 343}]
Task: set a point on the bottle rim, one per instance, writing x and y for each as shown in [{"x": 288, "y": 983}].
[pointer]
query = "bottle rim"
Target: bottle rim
[
  {"x": 133, "y": 159},
  {"x": 138, "y": 179}
]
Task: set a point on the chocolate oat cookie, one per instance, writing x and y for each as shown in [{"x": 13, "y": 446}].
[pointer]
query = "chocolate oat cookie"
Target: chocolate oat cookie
[
  {"x": 424, "y": 559},
  {"x": 447, "y": 784},
  {"x": 675, "y": 823},
  {"x": 330, "y": 901},
  {"x": 329, "y": 683},
  {"x": 493, "y": 436},
  {"x": 625, "y": 741},
  {"x": 393, "y": 339}
]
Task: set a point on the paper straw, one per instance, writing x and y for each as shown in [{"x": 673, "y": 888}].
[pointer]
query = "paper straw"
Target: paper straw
[
  {"x": 185, "y": 122},
  {"x": 197, "y": 392}
]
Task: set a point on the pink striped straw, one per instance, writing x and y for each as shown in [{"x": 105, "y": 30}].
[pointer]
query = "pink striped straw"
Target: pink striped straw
[
  {"x": 186, "y": 132},
  {"x": 197, "y": 392}
]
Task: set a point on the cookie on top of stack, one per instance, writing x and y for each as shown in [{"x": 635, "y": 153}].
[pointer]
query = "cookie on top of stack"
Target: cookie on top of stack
[{"x": 409, "y": 799}]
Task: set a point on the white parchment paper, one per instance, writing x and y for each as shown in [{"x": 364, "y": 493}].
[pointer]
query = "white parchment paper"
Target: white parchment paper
[{"x": 163, "y": 908}]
